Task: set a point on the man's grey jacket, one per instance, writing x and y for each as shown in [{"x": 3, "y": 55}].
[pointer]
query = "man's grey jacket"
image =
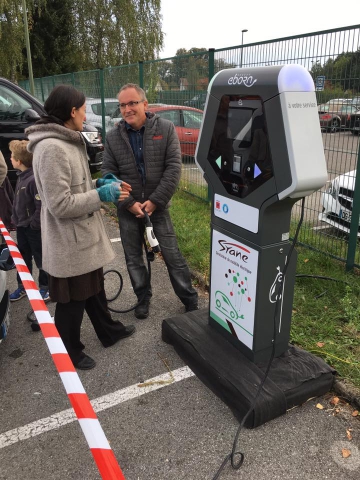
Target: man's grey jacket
[{"x": 162, "y": 159}]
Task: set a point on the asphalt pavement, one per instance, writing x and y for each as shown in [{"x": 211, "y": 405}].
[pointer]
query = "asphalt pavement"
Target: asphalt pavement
[{"x": 171, "y": 428}]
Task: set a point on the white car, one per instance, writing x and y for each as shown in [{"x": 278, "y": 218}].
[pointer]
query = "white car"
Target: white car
[
  {"x": 94, "y": 111},
  {"x": 337, "y": 202}
]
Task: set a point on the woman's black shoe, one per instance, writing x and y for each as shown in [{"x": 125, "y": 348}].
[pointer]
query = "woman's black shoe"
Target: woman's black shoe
[
  {"x": 86, "y": 363},
  {"x": 129, "y": 330}
]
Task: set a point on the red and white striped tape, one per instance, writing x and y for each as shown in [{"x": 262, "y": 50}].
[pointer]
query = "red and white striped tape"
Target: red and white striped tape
[{"x": 90, "y": 425}]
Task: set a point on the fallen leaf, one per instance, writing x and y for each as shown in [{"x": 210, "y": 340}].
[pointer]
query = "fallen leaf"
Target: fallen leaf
[
  {"x": 319, "y": 406},
  {"x": 335, "y": 400},
  {"x": 306, "y": 260},
  {"x": 348, "y": 434},
  {"x": 325, "y": 308},
  {"x": 355, "y": 413},
  {"x": 320, "y": 344},
  {"x": 345, "y": 453}
]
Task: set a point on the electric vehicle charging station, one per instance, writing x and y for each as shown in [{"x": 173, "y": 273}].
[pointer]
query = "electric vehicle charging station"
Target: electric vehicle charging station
[{"x": 260, "y": 150}]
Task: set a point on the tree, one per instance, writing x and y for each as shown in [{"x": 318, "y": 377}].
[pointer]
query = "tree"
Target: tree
[
  {"x": 342, "y": 72},
  {"x": 12, "y": 36},
  {"x": 117, "y": 32},
  {"x": 67, "y": 36},
  {"x": 52, "y": 38}
]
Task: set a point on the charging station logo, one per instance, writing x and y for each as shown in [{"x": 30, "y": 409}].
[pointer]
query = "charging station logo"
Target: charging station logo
[
  {"x": 246, "y": 80},
  {"x": 224, "y": 208},
  {"x": 234, "y": 250}
]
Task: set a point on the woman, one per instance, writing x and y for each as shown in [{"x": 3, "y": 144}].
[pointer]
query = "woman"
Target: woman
[{"x": 74, "y": 240}]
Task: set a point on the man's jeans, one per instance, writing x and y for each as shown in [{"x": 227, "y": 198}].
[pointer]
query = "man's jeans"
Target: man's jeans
[{"x": 132, "y": 234}]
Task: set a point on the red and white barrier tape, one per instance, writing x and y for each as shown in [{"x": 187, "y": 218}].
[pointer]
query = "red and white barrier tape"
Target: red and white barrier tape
[{"x": 90, "y": 425}]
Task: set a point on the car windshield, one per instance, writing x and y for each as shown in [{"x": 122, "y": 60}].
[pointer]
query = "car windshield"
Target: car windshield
[
  {"x": 110, "y": 108},
  {"x": 192, "y": 119}
]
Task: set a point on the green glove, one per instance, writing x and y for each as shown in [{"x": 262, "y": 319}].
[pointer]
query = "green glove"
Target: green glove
[
  {"x": 106, "y": 180},
  {"x": 109, "y": 192}
]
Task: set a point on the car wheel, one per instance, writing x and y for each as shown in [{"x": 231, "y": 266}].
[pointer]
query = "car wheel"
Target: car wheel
[{"x": 335, "y": 126}]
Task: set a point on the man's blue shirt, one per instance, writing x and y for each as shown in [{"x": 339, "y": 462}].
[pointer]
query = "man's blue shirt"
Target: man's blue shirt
[{"x": 136, "y": 138}]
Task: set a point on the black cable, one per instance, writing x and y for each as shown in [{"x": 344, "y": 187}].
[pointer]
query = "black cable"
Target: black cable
[
  {"x": 231, "y": 456},
  {"x": 301, "y": 275},
  {"x": 150, "y": 256}
]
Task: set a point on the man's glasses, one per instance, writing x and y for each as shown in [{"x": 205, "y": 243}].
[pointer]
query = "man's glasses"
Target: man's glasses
[{"x": 131, "y": 104}]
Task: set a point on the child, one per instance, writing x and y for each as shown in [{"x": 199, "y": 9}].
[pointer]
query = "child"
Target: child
[
  {"x": 26, "y": 217},
  {"x": 6, "y": 195}
]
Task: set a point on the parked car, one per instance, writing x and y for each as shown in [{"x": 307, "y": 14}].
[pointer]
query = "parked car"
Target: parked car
[
  {"x": 187, "y": 121},
  {"x": 197, "y": 102},
  {"x": 355, "y": 123},
  {"x": 19, "y": 110},
  {"x": 338, "y": 100},
  {"x": 337, "y": 202},
  {"x": 94, "y": 112},
  {"x": 4, "y": 293},
  {"x": 335, "y": 116}
]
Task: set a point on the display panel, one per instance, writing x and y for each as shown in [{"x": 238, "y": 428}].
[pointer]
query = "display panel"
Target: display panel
[{"x": 239, "y": 150}]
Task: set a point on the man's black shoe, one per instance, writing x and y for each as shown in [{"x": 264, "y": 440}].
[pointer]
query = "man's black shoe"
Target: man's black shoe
[
  {"x": 85, "y": 363},
  {"x": 191, "y": 308},
  {"x": 129, "y": 330},
  {"x": 142, "y": 310}
]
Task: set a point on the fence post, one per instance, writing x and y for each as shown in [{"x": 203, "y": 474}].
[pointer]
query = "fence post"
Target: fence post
[
  {"x": 42, "y": 90},
  {"x": 141, "y": 74},
  {"x": 211, "y": 74},
  {"x": 355, "y": 215},
  {"x": 102, "y": 96},
  {"x": 211, "y": 63}
]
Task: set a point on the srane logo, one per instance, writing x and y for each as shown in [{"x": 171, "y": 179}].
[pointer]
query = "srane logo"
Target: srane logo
[{"x": 234, "y": 250}]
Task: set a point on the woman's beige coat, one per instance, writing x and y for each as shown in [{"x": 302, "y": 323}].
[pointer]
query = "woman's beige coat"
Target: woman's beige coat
[{"x": 74, "y": 239}]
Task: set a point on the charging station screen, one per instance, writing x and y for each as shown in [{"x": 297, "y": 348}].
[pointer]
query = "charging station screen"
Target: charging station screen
[{"x": 239, "y": 150}]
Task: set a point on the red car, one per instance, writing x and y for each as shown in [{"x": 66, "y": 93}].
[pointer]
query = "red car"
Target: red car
[
  {"x": 187, "y": 121},
  {"x": 335, "y": 116}
]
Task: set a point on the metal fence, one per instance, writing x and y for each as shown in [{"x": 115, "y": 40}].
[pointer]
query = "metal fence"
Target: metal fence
[{"x": 333, "y": 59}]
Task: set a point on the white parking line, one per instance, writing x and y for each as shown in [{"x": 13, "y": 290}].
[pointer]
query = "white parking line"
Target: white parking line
[{"x": 99, "y": 404}]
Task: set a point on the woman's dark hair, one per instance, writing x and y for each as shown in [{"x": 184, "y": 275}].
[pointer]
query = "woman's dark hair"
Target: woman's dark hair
[{"x": 60, "y": 102}]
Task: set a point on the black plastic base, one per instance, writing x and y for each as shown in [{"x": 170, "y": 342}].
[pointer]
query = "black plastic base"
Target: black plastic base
[{"x": 294, "y": 377}]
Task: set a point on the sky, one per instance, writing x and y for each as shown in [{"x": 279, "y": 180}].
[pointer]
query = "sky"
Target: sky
[{"x": 218, "y": 24}]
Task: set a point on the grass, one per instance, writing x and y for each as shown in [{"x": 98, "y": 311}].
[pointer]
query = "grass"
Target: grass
[{"x": 326, "y": 313}]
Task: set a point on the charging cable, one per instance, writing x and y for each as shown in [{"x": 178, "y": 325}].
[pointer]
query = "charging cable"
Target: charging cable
[
  {"x": 150, "y": 256},
  {"x": 237, "y": 458}
]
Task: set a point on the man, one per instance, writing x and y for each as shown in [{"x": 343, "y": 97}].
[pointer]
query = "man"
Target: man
[{"x": 144, "y": 151}]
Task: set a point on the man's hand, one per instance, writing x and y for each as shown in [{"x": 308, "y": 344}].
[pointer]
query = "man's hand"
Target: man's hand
[
  {"x": 125, "y": 186},
  {"x": 136, "y": 210},
  {"x": 123, "y": 193},
  {"x": 149, "y": 207}
]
